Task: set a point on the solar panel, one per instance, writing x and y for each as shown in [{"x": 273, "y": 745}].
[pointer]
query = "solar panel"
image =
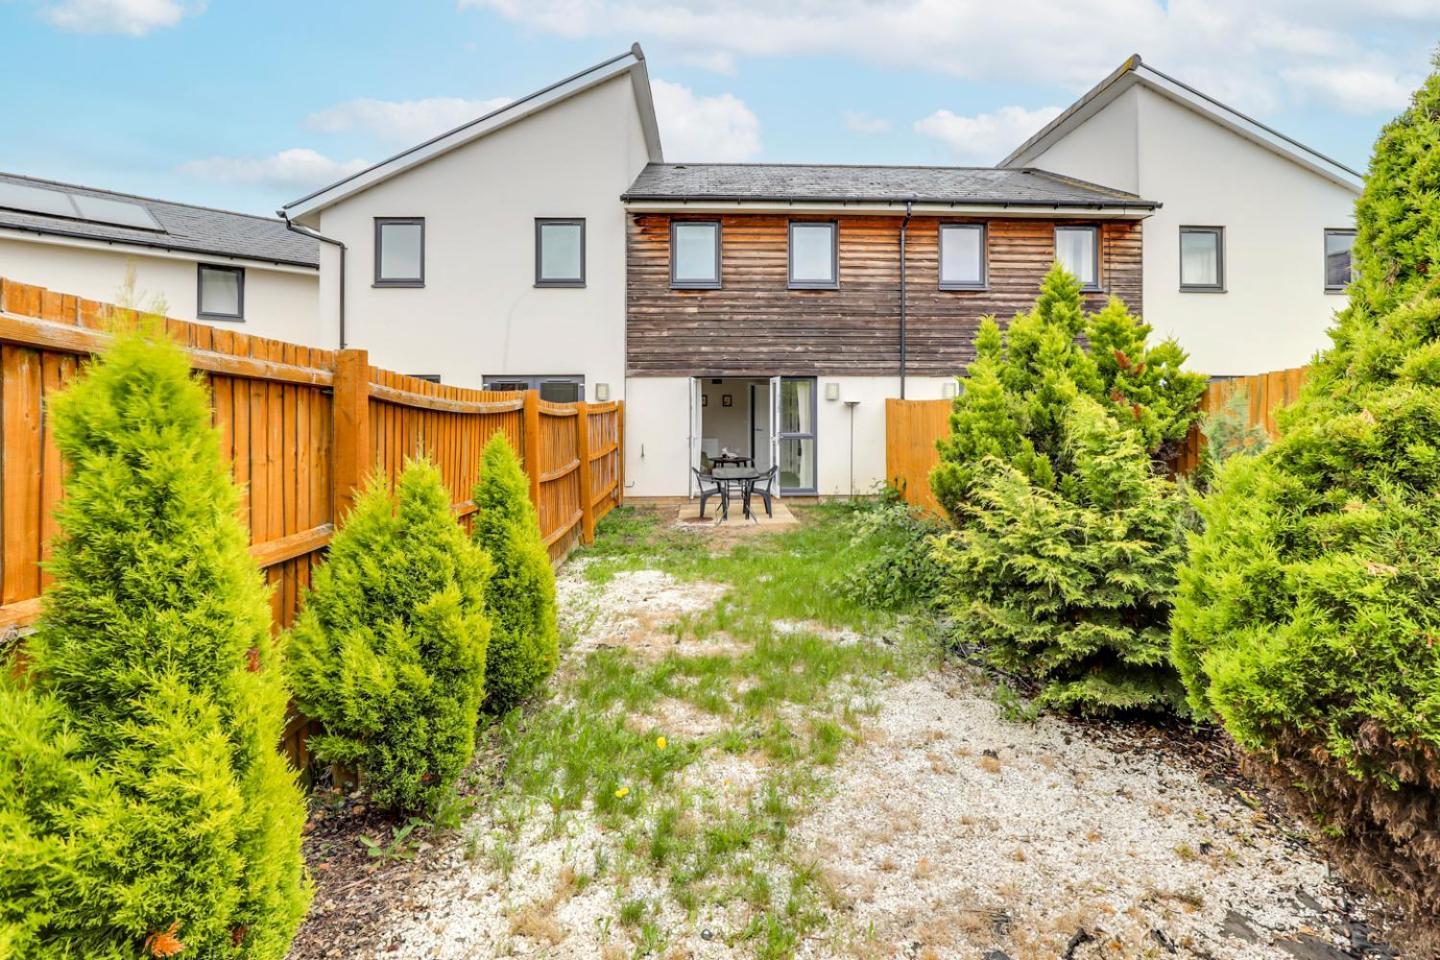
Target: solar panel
[
  {"x": 121, "y": 213},
  {"x": 75, "y": 206},
  {"x": 18, "y": 196}
]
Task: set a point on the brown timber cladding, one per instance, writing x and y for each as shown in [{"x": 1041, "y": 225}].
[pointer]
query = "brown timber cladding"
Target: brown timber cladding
[
  {"x": 301, "y": 428},
  {"x": 755, "y": 326}
]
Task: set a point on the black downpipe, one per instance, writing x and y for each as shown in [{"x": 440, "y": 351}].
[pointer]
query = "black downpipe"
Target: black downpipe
[
  {"x": 317, "y": 235},
  {"x": 904, "y": 298}
]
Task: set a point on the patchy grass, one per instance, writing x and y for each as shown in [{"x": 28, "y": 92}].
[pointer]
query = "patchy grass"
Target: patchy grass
[{"x": 782, "y": 707}]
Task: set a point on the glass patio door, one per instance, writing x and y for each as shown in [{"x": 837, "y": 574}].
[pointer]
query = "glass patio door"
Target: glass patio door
[{"x": 792, "y": 412}]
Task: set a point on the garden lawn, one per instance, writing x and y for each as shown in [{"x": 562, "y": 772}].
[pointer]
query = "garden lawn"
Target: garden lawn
[{"x": 739, "y": 759}]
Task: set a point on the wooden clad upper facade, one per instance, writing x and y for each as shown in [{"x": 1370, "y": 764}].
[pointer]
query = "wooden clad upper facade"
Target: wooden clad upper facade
[{"x": 754, "y": 324}]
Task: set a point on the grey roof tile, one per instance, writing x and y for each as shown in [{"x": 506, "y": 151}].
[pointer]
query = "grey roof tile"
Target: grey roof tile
[
  {"x": 837, "y": 183},
  {"x": 185, "y": 228}
]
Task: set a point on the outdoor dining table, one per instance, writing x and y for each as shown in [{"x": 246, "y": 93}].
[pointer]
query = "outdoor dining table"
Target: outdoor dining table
[{"x": 744, "y": 476}]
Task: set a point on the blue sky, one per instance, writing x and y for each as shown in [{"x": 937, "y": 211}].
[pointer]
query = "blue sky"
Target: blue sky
[{"x": 246, "y": 105}]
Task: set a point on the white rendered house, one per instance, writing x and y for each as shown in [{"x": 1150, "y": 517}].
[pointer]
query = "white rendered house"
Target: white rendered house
[
  {"x": 231, "y": 270},
  {"x": 495, "y": 253},
  {"x": 1247, "y": 257}
]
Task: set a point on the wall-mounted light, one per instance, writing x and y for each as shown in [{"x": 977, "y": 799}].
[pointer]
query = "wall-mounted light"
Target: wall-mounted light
[
  {"x": 832, "y": 391},
  {"x": 602, "y": 392},
  {"x": 948, "y": 389}
]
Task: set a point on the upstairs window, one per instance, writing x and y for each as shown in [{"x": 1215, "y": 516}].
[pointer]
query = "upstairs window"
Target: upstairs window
[
  {"x": 399, "y": 251},
  {"x": 1077, "y": 249},
  {"x": 1339, "y": 269},
  {"x": 695, "y": 254},
  {"x": 962, "y": 256},
  {"x": 1202, "y": 259},
  {"x": 560, "y": 253},
  {"x": 813, "y": 263},
  {"x": 221, "y": 293}
]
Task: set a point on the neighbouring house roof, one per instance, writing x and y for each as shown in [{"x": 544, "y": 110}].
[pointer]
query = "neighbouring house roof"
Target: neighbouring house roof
[
  {"x": 129, "y": 220},
  {"x": 631, "y": 61},
  {"x": 1134, "y": 71},
  {"x": 845, "y": 184}
]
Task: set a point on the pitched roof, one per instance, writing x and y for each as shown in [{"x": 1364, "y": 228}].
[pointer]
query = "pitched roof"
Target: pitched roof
[
  {"x": 183, "y": 228},
  {"x": 1134, "y": 71},
  {"x": 631, "y": 61},
  {"x": 838, "y": 183}
]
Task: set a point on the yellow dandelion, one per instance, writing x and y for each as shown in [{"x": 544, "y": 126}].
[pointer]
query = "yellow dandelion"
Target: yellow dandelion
[
  {"x": 661, "y": 743},
  {"x": 622, "y": 793}
]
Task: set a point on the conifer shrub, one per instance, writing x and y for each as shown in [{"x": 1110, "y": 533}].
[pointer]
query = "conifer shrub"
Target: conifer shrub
[
  {"x": 1053, "y": 573},
  {"x": 388, "y": 652},
  {"x": 520, "y": 597},
  {"x": 1070, "y": 584},
  {"x": 1308, "y": 614},
  {"x": 1015, "y": 393},
  {"x": 145, "y": 808}
]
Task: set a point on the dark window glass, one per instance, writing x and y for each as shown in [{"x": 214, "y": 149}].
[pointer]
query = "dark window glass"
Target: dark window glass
[{"x": 1339, "y": 269}]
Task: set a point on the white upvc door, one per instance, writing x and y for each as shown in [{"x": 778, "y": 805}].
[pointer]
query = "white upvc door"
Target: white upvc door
[
  {"x": 775, "y": 425},
  {"x": 697, "y": 426}
]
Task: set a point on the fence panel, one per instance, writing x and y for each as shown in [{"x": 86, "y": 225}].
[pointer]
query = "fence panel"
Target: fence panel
[{"x": 301, "y": 427}]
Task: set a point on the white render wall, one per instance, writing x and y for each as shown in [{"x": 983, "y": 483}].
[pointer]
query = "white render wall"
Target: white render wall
[
  {"x": 657, "y": 432},
  {"x": 1275, "y": 312},
  {"x": 480, "y": 312},
  {"x": 280, "y": 302}
]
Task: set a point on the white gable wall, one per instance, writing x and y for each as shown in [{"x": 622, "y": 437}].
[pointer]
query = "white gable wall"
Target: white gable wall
[
  {"x": 480, "y": 312},
  {"x": 1103, "y": 150},
  {"x": 280, "y": 302},
  {"x": 1274, "y": 312}
]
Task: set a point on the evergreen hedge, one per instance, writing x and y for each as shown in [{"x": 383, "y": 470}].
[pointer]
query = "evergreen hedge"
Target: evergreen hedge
[
  {"x": 1062, "y": 559},
  {"x": 520, "y": 597},
  {"x": 1308, "y": 615},
  {"x": 144, "y": 804},
  {"x": 388, "y": 652}
]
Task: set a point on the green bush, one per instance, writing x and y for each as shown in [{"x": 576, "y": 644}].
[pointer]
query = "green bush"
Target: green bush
[
  {"x": 520, "y": 598},
  {"x": 388, "y": 653},
  {"x": 1308, "y": 615},
  {"x": 896, "y": 565},
  {"x": 1014, "y": 395},
  {"x": 1055, "y": 575},
  {"x": 1072, "y": 585},
  {"x": 143, "y": 797}
]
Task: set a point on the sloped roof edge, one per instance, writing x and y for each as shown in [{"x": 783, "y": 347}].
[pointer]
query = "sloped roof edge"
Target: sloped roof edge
[
  {"x": 631, "y": 61},
  {"x": 1134, "y": 70}
]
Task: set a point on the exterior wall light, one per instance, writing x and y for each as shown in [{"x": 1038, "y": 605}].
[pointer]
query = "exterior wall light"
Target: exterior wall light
[
  {"x": 832, "y": 391},
  {"x": 948, "y": 389},
  {"x": 602, "y": 392}
]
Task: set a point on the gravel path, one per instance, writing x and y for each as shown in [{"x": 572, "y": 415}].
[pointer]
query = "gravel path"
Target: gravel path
[{"x": 949, "y": 832}]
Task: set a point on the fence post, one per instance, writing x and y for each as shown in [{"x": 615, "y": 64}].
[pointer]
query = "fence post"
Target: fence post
[
  {"x": 619, "y": 452},
  {"x": 530, "y": 455},
  {"x": 351, "y": 408},
  {"x": 582, "y": 448}
]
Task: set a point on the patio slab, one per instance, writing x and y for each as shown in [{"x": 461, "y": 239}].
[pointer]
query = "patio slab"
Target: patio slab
[{"x": 690, "y": 515}]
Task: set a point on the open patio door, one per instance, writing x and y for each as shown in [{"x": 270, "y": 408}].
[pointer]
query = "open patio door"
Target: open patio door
[
  {"x": 697, "y": 427},
  {"x": 775, "y": 385}
]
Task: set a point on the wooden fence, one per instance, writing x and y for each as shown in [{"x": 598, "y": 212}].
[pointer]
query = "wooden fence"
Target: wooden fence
[
  {"x": 302, "y": 428},
  {"x": 913, "y": 426}
]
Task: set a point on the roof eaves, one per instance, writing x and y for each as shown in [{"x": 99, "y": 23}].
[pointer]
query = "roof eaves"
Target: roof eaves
[
  {"x": 1077, "y": 203},
  {"x": 1106, "y": 87},
  {"x": 170, "y": 244},
  {"x": 468, "y": 132}
]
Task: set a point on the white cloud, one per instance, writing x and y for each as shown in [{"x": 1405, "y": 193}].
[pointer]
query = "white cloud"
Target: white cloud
[
  {"x": 297, "y": 167},
  {"x": 1237, "y": 50},
  {"x": 719, "y": 128},
  {"x": 402, "y": 121},
  {"x": 985, "y": 137},
  {"x": 133, "y": 18},
  {"x": 857, "y": 122},
  {"x": 1356, "y": 89}
]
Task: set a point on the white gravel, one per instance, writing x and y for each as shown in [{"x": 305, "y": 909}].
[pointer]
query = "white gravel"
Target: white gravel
[{"x": 928, "y": 848}]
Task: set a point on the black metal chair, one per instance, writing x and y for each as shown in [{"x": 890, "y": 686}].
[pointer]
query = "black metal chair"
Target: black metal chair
[
  {"x": 762, "y": 486},
  {"x": 711, "y": 487}
]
